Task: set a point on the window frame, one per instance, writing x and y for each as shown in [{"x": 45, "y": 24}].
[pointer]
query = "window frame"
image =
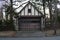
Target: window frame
[
  {"x": 29, "y": 10},
  {"x": 37, "y": 0}
]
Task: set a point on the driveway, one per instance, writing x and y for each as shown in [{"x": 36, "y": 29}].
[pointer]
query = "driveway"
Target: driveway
[
  {"x": 33, "y": 38},
  {"x": 30, "y": 34}
]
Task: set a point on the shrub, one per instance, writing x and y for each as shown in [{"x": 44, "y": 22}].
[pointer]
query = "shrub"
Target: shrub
[
  {"x": 0, "y": 25},
  {"x": 10, "y": 25},
  {"x": 7, "y": 25},
  {"x": 58, "y": 19}
]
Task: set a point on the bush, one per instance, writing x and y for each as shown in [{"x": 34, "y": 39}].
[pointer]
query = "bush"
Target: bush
[
  {"x": 58, "y": 19},
  {"x": 0, "y": 25},
  {"x": 10, "y": 25},
  {"x": 0, "y": 22},
  {"x": 7, "y": 25}
]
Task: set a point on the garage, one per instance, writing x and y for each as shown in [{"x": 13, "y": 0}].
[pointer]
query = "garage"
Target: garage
[
  {"x": 29, "y": 23},
  {"x": 29, "y": 18}
]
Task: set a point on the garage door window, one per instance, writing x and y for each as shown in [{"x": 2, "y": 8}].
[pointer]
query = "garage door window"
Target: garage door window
[{"x": 30, "y": 21}]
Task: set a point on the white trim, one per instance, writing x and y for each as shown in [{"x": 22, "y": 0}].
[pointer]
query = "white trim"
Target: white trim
[
  {"x": 42, "y": 24},
  {"x": 16, "y": 27}
]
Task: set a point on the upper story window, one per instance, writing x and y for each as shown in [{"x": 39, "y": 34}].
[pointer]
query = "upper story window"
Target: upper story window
[{"x": 29, "y": 10}]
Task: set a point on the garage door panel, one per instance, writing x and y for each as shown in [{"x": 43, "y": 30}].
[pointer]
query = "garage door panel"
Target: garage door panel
[{"x": 29, "y": 24}]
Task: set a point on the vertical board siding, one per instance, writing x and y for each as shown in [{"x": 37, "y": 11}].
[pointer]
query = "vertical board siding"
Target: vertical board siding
[
  {"x": 36, "y": 12},
  {"x": 29, "y": 6},
  {"x": 22, "y": 13},
  {"x": 26, "y": 10},
  {"x": 32, "y": 10}
]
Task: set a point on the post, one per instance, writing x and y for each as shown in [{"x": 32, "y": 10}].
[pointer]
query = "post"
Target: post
[
  {"x": 16, "y": 24},
  {"x": 42, "y": 24}
]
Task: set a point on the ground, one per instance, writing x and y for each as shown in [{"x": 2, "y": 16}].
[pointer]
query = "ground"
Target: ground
[
  {"x": 33, "y": 38},
  {"x": 30, "y": 34},
  {"x": 48, "y": 33}
]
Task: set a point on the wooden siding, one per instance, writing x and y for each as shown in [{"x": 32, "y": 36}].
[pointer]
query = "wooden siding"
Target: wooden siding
[
  {"x": 29, "y": 20},
  {"x": 34, "y": 12}
]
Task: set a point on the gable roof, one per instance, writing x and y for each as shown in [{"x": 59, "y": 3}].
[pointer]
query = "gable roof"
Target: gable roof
[{"x": 31, "y": 5}]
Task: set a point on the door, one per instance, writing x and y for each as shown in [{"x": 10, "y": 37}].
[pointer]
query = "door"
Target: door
[{"x": 29, "y": 23}]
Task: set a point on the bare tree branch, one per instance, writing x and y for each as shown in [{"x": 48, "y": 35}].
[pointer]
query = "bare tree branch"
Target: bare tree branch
[{"x": 16, "y": 8}]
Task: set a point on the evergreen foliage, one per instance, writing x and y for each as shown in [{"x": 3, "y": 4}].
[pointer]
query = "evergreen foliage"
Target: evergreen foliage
[
  {"x": 7, "y": 25},
  {"x": 58, "y": 19}
]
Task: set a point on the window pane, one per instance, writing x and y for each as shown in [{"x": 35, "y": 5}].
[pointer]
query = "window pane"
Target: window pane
[
  {"x": 37, "y": 0},
  {"x": 29, "y": 10}
]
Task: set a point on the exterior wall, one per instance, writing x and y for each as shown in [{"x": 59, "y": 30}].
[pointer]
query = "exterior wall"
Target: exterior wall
[
  {"x": 34, "y": 12},
  {"x": 16, "y": 24},
  {"x": 26, "y": 12},
  {"x": 22, "y": 13},
  {"x": 42, "y": 24}
]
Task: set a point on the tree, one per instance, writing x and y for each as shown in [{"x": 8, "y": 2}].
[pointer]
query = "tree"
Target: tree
[
  {"x": 9, "y": 10},
  {"x": 44, "y": 1},
  {"x": 55, "y": 21},
  {"x": 50, "y": 11}
]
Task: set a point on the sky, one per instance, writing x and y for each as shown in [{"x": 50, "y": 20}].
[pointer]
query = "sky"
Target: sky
[{"x": 1, "y": 3}]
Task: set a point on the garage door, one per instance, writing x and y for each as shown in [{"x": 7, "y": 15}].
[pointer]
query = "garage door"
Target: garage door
[{"x": 29, "y": 23}]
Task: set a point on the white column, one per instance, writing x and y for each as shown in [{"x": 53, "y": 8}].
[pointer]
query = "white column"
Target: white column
[
  {"x": 16, "y": 24},
  {"x": 42, "y": 23}
]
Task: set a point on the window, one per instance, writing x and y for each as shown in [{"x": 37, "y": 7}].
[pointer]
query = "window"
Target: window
[
  {"x": 29, "y": 10},
  {"x": 30, "y": 21},
  {"x": 36, "y": 0}
]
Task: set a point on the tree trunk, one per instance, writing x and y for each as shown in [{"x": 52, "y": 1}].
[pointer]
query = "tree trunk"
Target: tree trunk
[
  {"x": 55, "y": 15},
  {"x": 50, "y": 11},
  {"x": 44, "y": 12},
  {"x": 11, "y": 11}
]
